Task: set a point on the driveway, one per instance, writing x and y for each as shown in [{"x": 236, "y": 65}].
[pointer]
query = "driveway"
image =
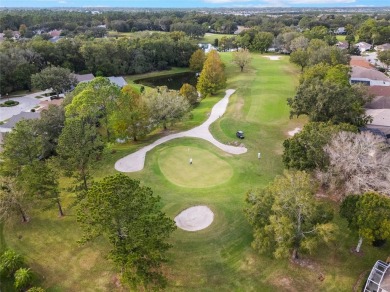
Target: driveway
[
  {"x": 136, "y": 161},
  {"x": 26, "y": 103}
]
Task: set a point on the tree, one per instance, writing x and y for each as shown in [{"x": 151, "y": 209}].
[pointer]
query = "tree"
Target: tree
[
  {"x": 304, "y": 151},
  {"x": 299, "y": 43},
  {"x": 12, "y": 200},
  {"x": 95, "y": 102},
  {"x": 49, "y": 128},
  {"x": 10, "y": 262},
  {"x": 57, "y": 78},
  {"x": 212, "y": 76},
  {"x": 300, "y": 58},
  {"x": 328, "y": 100},
  {"x": 23, "y": 278},
  {"x": 358, "y": 163},
  {"x": 261, "y": 42},
  {"x": 190, "y": 93},
  {"x": 197, "y": 60},
  {"x": 128, "y": 214},
  {"x": 384, "y": 57},
  {"x": 130, "y": 116},
  {"x": 286, "y": 217},
  {"x": 166, "y": 106},
  {"x": 39, "y": 180},
  {"x": 368, "y": 215},
  {"x": 242, "y": 58},
  {"x": 79, "y": 146},
  {"x": 22, "y": 146},
  {"x": 22, "y": 30}
]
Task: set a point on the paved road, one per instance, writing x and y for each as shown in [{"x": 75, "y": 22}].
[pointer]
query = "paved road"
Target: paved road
[
  {"x": 136, "y": 161},
  {"x": 26, "y": 103}
]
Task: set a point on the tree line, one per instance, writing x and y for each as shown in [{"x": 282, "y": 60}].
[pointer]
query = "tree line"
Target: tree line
[
  {"x": 332, "y": 155},
  {"x": 102, "y": 57}
]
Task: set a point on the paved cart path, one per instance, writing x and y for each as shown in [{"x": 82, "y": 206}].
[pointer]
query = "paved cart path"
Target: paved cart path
[{"x": 136, "y": 161}]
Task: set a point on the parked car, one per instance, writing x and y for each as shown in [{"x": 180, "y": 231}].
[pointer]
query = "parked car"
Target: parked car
[{"x": 240, "y": 134}]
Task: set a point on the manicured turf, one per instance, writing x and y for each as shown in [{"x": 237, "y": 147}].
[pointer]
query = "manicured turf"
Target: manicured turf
[
  {"x": 206, "y": 169},
  {"x": 220, "y": 257}
]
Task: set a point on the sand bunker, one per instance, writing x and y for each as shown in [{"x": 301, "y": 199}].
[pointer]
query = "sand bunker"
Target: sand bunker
[
  {"x": 273, "y": 58},
  {"x": 194, "y": 218},
  {"x": 293, "y": 132}
]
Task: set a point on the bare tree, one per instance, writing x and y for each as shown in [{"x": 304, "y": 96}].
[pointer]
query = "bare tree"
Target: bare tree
[
  {"x": 358, "y": 163},
  {"x": 242, "y": 58}
]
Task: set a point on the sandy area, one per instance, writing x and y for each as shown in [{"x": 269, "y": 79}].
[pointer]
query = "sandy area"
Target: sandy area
[
  {"x": 273, "y": 58},
  {"x": 194, "y": 218},
  {"x": 293, "y": 132}
]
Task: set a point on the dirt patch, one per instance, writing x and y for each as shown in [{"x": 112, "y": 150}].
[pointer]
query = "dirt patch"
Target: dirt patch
[
  {"x": 273, "y": 58},
  {"x": 284, "y": 284},
  {"x": 195, "y": 218},
  {"x": 293, "y": 132}
]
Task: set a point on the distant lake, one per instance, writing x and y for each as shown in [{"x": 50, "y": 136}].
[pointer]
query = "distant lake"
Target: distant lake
[{"x": 173, "y": 81}]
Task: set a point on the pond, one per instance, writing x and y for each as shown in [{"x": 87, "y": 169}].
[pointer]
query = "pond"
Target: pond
[{"x": 172, "y": 81}]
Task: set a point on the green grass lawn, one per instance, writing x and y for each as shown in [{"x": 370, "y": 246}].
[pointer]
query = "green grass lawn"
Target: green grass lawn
[
  {"x": 219, "y": 258},
  {"x": 210, "y": 37}
]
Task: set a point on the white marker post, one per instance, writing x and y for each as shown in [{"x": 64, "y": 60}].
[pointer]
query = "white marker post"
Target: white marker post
[{"x": 258, "y": 155}]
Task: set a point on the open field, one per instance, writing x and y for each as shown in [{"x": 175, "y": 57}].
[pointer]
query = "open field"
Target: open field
[
  {"x": 218, "y": 258},
  {"x": 210, "y": 37}
]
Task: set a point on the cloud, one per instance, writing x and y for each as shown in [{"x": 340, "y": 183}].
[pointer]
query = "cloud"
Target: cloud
[{"x": 62, "y": 2}]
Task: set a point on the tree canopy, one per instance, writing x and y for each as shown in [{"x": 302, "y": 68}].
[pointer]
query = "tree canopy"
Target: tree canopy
[
  {"x": 129, "y": 216},
  {"x": 57, "y": 78},
  {"x": 304, "y": 151},
  {"x": 242, "y": 58},
  {"x": 286, "y": 217},
  {"x": 212, "y": 76}
]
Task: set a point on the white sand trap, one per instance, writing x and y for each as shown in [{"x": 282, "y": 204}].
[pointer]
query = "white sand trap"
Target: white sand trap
[
  {"x": 293, "y": 132},
  {"x": 195, "y": 218},
  {"x": 273, "y": 58}
]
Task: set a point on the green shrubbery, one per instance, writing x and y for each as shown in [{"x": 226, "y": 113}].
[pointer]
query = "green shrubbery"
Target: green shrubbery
[{"x": 9, "y": 103}]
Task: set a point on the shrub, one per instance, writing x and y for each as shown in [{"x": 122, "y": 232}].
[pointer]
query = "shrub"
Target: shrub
[
  {"x": 10, "y": 261},
  {"x": 23, "y": 278},
  {"x": 9, "y": 103}
]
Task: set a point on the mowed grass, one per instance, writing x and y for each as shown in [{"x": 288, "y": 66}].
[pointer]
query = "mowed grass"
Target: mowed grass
[
  {"x": 205, "y": 170},
  {"x": 220, "y": 257}
]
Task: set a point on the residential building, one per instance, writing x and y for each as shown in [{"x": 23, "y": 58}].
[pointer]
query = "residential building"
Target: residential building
[{"x": 368, "y": 77}]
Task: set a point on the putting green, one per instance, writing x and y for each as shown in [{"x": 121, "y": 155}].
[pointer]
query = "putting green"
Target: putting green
[{"x": 206, "y": 170}]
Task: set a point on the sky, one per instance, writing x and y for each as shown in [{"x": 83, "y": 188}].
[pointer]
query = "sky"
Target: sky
[{"x": 192, "y": 3}]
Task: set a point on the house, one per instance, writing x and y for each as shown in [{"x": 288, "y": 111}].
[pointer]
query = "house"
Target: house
[
  {"x": 383, "y": 47},
  {"x": 120, "y": 81},
  {"x": 368, "y": 77},
  {"x": 363, "y": 46},
  {"x": 342, "y": 45},
  {"x": 55, "y": 33},
  {"x": 381, "y": 98},
  {"x": 55, "y": 39},
  {"x": 84, "y": 77},
  {"x": 360, "y": 62},
  {"x": 8, "y": 126},
  {"x": 340, "y": 30},
  {"x": 379, "y": 278}
]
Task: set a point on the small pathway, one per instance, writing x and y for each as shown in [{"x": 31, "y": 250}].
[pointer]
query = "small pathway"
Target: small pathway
[{"x": 136, "y": 161}]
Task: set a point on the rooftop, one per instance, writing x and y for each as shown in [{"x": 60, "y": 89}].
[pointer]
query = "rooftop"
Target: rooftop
[
  {"x": 84, "y": 77},
  {"x": 372, "y": 74},
  {"x": 360, "y": 62},
  {"x": 381, "y": 117},
  {"x": 16, "y": 118}
]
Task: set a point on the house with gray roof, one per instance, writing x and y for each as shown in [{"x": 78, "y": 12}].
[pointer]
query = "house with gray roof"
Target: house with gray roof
[
  {"x": 363, "y": 46},
  {"x": 120, "y": 81},
  {"x": 84, "y": 77},
  {"x": 10, "y": 124},
  {"x": 368, "y": 77}
]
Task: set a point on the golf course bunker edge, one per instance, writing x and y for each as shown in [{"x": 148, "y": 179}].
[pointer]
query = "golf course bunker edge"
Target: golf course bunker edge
[{"x": 194, "y": 218}]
